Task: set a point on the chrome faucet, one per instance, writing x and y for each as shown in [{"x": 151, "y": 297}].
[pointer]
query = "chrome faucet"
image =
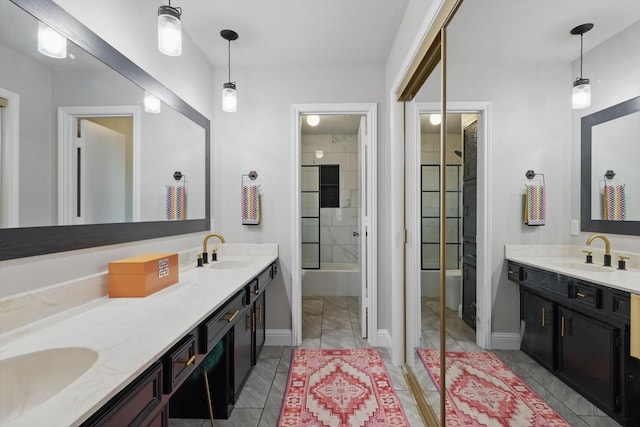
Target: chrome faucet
[
  {"x": 205, "y": 256},
  {"x": 607, "y": 247}
]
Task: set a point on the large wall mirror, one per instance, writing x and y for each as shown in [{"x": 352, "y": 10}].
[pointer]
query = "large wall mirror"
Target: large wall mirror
[
  {"x": 610, "y": 189},
  {"x": 84, "y": 161}
]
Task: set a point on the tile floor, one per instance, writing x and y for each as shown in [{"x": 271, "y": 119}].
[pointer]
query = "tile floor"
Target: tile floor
[
  {"x": 577, "y": 410},
  {"x": 333, "y": 322},
  {"x": 328, "y": 322}
]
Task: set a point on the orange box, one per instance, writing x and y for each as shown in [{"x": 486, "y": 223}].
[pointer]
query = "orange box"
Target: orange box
[{"x": 142, "y": 275}]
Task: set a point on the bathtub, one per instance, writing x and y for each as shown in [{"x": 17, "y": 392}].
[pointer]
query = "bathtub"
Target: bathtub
[
  {"x": 430, "y": 286},
  {"x": 332, "y": 279}
]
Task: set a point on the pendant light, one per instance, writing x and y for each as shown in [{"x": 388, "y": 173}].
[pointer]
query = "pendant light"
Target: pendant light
[
  {"x": 50, "y": 42},
  {"x": 581, "y": 96},
  {"x": 229, "y": 98},
  {"x": 169, "y": 30}
]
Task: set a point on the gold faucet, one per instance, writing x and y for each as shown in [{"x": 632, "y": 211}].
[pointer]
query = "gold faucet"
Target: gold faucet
[
  {"x": 204, "y": 245},
  {"x": 607, "y": 247}
]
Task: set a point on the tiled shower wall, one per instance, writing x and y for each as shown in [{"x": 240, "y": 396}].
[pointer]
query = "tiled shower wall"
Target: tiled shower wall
[
  {"x": 430, "y": 155},
  {"x": 338, "y": 245}
]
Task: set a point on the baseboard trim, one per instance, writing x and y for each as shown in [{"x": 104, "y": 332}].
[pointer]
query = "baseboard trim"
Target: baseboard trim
[
  {"x": 275, "y": 337},
  {"x": 505, "y": 341}
]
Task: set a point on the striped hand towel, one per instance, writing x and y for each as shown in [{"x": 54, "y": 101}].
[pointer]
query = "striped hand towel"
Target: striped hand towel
[
  {"x": 535, "y": 205},
  {"x": 250, "y": 199},
  {"x": 176, "y": 202},
  {"x": 614, "y": 204}
]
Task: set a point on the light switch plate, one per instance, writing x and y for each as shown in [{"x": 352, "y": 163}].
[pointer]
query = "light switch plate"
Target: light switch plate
[{"x": 575, "y": 227}]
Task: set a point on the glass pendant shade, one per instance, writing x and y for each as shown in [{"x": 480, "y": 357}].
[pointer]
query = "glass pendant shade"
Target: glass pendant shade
[
  {"x": 169, "y": 31},
  {"x": 581, "y": 96},
  {"x": 435, "y": 119},
  {"x": 151, "y": 103},
  {"x": 50, "y": 42},
  {"x": 229, "y": 99}
]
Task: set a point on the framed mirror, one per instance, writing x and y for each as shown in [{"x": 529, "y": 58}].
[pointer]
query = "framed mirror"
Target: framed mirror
[
  {"x": 57, "y": 190},
  {"x": 609, "y": 177}
]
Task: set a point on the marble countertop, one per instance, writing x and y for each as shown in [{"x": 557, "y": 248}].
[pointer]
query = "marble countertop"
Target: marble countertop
[
  {"x": 129, "y": 334},
  {"x": 570, "y": 261}
]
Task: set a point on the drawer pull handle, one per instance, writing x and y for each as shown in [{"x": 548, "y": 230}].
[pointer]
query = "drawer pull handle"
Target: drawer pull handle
[
  {"x": 233, "y": 316},
  {"x": 562, "y": 327},
  {"x": 255, "y": 291},
  {"x": 190, "y": 361},
  {"x": 260, "y": 311},
  {"x": 542, "y": 316},
  {"x": 581, "y": 295},
  {"x": 510, "y": 271}
]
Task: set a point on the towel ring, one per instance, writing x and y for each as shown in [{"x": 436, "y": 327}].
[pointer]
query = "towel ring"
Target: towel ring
[{"x": 530, "y": 174}]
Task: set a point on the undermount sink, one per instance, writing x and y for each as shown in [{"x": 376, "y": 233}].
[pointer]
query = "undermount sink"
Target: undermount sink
[
  {"x": 229, "y": 264},
  {"x": 30, "y": 379},
  {"x": 581, "y": 265}
]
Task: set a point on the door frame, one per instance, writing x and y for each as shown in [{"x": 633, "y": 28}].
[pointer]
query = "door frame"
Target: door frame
[
  {"x": 370, "y": 111},
  {"x": 484, "y": 241},
  {"x": 67, "y": 132},
  {"x": 10, "y": 159}
]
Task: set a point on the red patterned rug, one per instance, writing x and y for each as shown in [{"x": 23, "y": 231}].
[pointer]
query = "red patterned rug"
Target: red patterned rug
[
  {"x": 341, "y": 388},
  {"x": 483, "y": 391}
]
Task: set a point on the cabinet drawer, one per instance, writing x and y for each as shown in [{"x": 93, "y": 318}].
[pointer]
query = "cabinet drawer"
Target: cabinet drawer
[
  {"x": 621, "y": 304},
  {"x": 586, "y": 294},
  {"x": 132, "y": 405},
  {"x": 179, "y": 362},
  {"x": 515, "y": 273},
  {"x": 221, "y": 321},
  {"x": 258, "y": 286}
]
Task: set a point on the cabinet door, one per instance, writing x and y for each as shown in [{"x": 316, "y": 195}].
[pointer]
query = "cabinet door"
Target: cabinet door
[
  {"x": 259, "y": 315},
  {"x": 242, "y": 354},
  {"x": 539, "y": 321},
  {"x": 588, "y": 353}
]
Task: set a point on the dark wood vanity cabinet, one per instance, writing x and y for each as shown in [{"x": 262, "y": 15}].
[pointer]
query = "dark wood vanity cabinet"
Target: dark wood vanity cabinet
[
  {"x": 224, "y": 348},
  {"x": 580, "y": 332}
]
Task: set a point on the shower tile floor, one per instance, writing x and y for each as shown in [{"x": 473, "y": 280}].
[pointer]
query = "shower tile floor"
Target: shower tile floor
[
  {"x": 327, "y": 322},
  {"x": 575, "y": 409}
]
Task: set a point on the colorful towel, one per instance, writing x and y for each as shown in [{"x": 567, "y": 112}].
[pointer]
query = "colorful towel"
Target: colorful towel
[
  {"x": 250, "y": 198},
  {"x": 176, "y": 202},
  {"x": 614, "y": 204},
  {"x": 535, "y": 205}
]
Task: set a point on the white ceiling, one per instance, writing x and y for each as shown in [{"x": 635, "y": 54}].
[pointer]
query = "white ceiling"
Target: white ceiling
[{"x": 294, "y": 32}]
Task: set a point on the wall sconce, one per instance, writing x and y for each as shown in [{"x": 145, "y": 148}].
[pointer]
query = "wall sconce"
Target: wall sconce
[
  {"x": 581, "y": 95},
  {"x": 319, "y": 154},
  {"x": 435, "y": 119},
  {"x": 151, "y": 103},
  {"x": 169, "y": 30},
  {"x": 229, "y": 98},
  {"x": 313, "y": 120},
  {"x": 50, "y": 42}
]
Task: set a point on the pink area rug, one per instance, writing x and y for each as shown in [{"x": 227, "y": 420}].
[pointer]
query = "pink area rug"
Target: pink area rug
[
  {"x": 483, "y": 391},
  {"x": 341, "y": 388}
]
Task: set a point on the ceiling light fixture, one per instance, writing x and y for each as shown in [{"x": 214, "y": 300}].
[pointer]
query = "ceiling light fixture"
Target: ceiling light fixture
[
  {"x": 313, "y": 120},
  {"x": 581, "y": 95},
  {"x": 435, "y": 119},
  {"x": 50, "y": 42},
  {"x": 151, "y": 103},
  {"x": 169, "y": 30},
  {"x": 229, "y": 98}
]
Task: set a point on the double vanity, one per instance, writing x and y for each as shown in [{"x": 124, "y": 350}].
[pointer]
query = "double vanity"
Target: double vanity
[
  {"x": 118, "y": 361},
  {"x": 577, "y": 322}
]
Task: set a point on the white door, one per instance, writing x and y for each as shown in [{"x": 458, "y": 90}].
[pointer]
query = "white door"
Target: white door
[
  {"x": 363, "y": 221},
  {"x": 100, "y": 179}
]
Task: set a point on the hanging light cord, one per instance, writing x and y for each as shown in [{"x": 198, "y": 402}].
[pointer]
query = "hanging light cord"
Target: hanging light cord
[
  {"x": 229, "y": 58},
  {"x": 581, "y": 55}
]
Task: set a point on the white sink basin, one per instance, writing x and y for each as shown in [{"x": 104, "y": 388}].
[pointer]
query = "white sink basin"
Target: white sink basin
[
  {"x": 583, "y": 266},
  {"x": 229, "y": 264},
  {"x": 30, "y": 379}
]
